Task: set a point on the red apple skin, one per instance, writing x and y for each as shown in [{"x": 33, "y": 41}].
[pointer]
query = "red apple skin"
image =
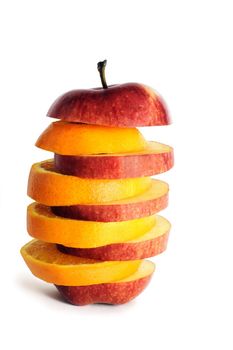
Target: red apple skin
[
  {"x": 121, "y": 251},
  {"x": 105, "y": 293},
  {"x": 114, "y": 167},
  {"x": 125, "y": 105},
  {"x": 112, "y": 212}
]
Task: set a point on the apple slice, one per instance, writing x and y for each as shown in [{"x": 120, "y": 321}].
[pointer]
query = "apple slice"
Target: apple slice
[
  {"x": 46, "y": 226},
  {"x": 149, "y": 244},
  {"x": 77, "y": 139},
  {"x": 118, "y": 292},
  {"x": 49, "y": 264},
  {"x": 125, "y": 105},
  {"x": 49, "y": 187},
  {"x": 148, "y": 203},
  {"x": 155, "y": 159}
]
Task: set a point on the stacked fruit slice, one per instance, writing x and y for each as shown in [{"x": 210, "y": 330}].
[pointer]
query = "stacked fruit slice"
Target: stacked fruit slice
[{"x": 94, "y": 218}]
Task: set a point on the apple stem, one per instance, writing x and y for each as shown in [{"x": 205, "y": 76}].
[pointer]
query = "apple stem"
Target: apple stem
[{"x": 101, "y": 68}]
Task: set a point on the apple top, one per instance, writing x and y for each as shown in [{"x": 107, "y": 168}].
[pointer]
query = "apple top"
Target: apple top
[{"x": 122, "y": 105}]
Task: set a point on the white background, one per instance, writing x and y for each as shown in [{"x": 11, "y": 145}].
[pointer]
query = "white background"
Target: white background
[{"x": 184, "y": 50}]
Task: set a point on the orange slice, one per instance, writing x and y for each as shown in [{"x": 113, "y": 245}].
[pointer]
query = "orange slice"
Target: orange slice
[
  {"x": 44, "y": 225},
  {"x": 151, "y": 201},
  {"x": 75, "y": 139},
  {"x": 47, "y": 263},
  {"x": 47, "y": 186},
  {"x": 146, "y": 268},
  {"x": 149, "y": 244}
]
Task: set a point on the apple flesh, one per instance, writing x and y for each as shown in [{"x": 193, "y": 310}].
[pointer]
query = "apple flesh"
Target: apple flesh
[
  {"x": 150, "y": 202},
  {"x": 156, "y": 159},
  {"x": 124, "y": 105},
  {"x": 119, "y": 292}
]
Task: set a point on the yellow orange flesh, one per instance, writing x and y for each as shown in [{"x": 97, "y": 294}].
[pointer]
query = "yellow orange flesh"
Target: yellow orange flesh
[
  {"x": 44, "y": 225},
  {"x": 146, "y": 268},
  {"x": 161, "y": 227},
  {"x": 157, "y": 189},
  {"x": 49, "y": 187},
  {"x": 76, "y": 139},
  {"x": 151, "y": 147},
  {"x": 47, "y": 263}
]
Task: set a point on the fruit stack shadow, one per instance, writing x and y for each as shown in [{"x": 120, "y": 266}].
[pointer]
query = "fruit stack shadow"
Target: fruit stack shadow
[{"x": 94, "y": 219}]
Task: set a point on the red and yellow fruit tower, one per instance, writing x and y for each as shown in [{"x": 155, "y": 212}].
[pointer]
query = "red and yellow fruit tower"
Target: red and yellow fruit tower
[{"x": 94, "y": 219}]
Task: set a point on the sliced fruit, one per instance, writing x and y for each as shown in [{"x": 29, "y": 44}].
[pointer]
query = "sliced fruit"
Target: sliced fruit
[
  {"x": 49, "y": 264},
  {"x": 126, "y": 105},
  {"x": 75, "y": 139},
  {"x": 155, "y": 159},
  {"x": 47, "y": 186},
  {"x": 149, "y": 244},
  {"x": 150, "y": 202},
  {"x": 119, "y": 292},
  {"x": 44, "y": 225}
]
